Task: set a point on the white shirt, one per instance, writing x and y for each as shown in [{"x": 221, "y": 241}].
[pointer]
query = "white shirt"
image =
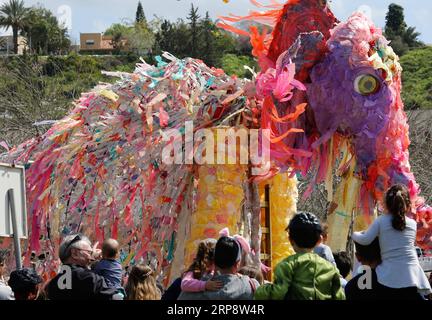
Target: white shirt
[
  {"x": 5, "y": 291},
  {"x": 400, "y": 267}
]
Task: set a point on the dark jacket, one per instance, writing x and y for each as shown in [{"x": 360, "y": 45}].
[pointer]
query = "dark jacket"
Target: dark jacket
[
  {"x": 85, "y": 285},
  {"x": 112, "y": 272},
  {"x": 377, "y": 291},
  {"x": 173, "y": 292}
]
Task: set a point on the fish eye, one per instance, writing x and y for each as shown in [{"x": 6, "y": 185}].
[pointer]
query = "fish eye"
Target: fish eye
[{"x": 366, "y": 84}]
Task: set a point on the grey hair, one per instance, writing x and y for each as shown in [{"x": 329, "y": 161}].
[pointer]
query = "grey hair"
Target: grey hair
[{"x": 65, "y": 248}]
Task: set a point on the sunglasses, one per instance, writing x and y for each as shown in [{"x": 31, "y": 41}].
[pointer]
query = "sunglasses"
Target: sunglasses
[{"x": 74, "y": 240}]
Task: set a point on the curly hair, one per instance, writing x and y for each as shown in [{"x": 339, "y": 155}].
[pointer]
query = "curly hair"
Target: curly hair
[
  {"x": 398, "y": 203},
  {"x": 203, "y": 258},
  {"x": 141, "y": 284}
]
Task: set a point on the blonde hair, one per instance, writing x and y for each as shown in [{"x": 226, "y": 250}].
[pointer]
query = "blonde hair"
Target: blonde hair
[{"x": 141, "y": 284}]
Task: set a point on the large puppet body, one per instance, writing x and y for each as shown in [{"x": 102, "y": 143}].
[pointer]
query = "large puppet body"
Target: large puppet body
[{"x": 325, "y": 89}]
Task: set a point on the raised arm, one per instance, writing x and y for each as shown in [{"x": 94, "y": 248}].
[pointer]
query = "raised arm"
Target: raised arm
[{"x": 366, "y": 237}]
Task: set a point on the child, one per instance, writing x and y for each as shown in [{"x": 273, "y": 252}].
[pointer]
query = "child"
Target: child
[
  {"x": 344, "y": 265},
  {"x": 25, "y": 284},
  {"x": 109, "y": 267},
  {"x": 142, "y": 285},
  {"x": 202, "y": 265},
  {"x": 304, "y": 275},
  {"x": 322, "y": 249},
  {"x": 400, "y": 267},
  {"x": 245, "y": 247}
]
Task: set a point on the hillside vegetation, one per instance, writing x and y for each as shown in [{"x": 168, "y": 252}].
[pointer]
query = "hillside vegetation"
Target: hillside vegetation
[{"x": 417, "y": 78}]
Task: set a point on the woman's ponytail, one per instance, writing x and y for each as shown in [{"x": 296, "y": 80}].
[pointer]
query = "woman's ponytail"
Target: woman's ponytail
[{"x": 398, "y": 204}]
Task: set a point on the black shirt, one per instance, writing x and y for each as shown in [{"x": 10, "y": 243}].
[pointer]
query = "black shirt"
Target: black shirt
[
  {"x": 173, "y": 292},
  {"x": 85, "y": 285},
  {"x": 377, "y": 291}
]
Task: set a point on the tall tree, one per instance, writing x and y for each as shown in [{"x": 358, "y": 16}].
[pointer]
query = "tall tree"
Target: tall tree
[
  {"x": 44, "y": 33},
  {"x": 402, "y": 37},
  {"x": 395, "y": 20},
  {"x": 208, "y": 40},
  {"x": 13, "y": 15},
  {"x": 140, "y": 16},
  {"x": 164, "y": 38},
  {"x": 194, "y": 30}
]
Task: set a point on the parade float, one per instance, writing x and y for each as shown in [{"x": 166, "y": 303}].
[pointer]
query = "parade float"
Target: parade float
[{"x": 328, "y": 94}]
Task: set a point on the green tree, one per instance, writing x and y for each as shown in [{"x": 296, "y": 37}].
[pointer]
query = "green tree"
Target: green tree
[
  {"x": 233, "y": 64},
  {"x": 140, "y": 16},
  {"x": 119, "y": 33},
  {"x": 395, "y": 20},
  {"x": 13, "y": 15},
  {"x": 44, "y": 33},
  {"x": 193, "y": 18},
  {"x": 410, "y": 37},
  {"x": 417, "y": 78},
  {"x": 396, "y": 30},
  {"x": 208, "y": 27},
  {"x": 136, "y": 37},
  {"x": 164, "y": 38},
  {"x": 140, "y": 39},
  {"x": 224, "y": 43}
]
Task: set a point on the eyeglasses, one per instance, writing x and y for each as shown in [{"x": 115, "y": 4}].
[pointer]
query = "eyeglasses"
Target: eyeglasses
[{"x": 86, "y": 250}]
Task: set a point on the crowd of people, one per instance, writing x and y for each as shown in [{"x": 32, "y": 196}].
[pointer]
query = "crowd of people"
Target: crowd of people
[{"x": 388, "y": 267}]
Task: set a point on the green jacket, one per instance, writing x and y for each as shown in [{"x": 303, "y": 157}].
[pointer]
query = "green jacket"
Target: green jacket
[{"x": 303, "y": 276}]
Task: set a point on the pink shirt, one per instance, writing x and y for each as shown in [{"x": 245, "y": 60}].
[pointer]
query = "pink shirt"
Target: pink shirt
[{"x": 190, "y": 284}]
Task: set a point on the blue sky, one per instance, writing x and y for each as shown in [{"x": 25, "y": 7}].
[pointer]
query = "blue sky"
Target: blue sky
[{"x": 97, "y": 15}]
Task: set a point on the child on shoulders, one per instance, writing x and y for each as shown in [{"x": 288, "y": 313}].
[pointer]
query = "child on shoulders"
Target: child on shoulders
[
  {"x": 400, "y": 267},
  {"x": 304, "y": 275},
  {"x": 203, "y": 265}
]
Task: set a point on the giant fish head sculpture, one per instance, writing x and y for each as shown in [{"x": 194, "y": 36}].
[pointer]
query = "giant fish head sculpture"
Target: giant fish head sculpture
[{"x": 351, "y": 90}]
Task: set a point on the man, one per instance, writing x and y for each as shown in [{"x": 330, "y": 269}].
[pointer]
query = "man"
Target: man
[
  {"x": 365, "y": 286},
  {"x": 235, "y": 286},
  {"x": 76, "y": 281},
  {"x": 5, "y": 291},
  {"x": 25, "y": 284}
]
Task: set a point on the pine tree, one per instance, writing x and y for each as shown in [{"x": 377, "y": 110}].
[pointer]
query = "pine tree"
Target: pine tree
[
  {"x": 401, "y": 36},
  {"x": 140, "y": 16},
  {"x": 208, "y": 39},
  {"x": 194, "y": 30},
  {"x": 164, "y": 37},
  {"x": 395, "y": 21}
]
